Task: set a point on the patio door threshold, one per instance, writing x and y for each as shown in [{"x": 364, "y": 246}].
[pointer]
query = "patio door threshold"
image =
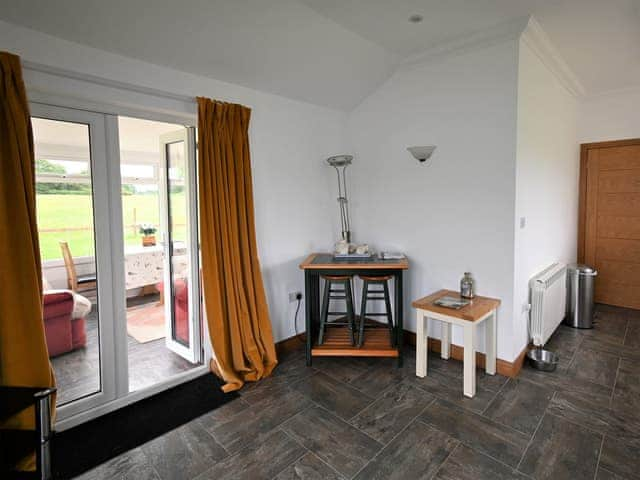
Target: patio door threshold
[{"x": 132, "y": 397}]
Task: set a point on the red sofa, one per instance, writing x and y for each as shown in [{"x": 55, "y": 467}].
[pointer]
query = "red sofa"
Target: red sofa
[
  {"x": 63, "y": 333},
  {"x": 181, "y": 292}
]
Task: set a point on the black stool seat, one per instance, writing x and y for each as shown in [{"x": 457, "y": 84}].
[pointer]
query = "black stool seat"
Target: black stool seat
[
  {"x": 346, "y": 318},
  {"x": 375, "y": 295}
]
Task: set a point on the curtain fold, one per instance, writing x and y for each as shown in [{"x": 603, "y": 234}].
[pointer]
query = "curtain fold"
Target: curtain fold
[
  {"x": 24, "y": 360},
  {"x": 234, "y": 296}
]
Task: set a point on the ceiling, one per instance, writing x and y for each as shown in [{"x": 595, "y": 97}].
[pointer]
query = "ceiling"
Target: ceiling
[
  {"x": 331, "y": 52},
  {"x": 599, "y": 39},
  {"x": 385, "y": 22}
]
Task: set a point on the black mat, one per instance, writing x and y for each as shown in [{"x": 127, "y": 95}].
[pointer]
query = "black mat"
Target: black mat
[{"x": 84, "y": 447}]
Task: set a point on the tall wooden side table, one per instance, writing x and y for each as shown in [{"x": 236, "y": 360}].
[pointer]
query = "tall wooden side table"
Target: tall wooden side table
[{"x": 481, "y": 309}]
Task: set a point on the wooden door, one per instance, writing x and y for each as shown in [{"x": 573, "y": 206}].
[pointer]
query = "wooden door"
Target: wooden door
[{"x": 610, "y": 219}]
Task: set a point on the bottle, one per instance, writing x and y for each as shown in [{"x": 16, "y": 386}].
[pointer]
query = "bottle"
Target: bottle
[{"x": 467, "y": 286}]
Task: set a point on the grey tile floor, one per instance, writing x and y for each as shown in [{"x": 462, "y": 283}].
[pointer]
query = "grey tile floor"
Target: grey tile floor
[
  {"x": 78, "y": 372},
  {"x": 366, "y": 419}
]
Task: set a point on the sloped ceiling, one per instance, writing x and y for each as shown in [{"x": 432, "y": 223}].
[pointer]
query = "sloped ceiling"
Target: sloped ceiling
[
  {"x": 331, "y": 52},
  {"x": 277, "y": 46},
  {"x": 599, "y": 39}
]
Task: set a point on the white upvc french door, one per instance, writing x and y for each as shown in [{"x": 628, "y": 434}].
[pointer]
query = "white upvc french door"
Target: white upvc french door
[
  {"x": 90, "y": 152},
  {"x": 178, "y": 199},
  {"x": 92, "y": 155}
]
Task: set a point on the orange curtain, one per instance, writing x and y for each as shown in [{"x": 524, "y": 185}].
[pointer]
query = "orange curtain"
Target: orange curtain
[
  {"x": 24, "y": 360},
  {"x": 234, "y": 297}
]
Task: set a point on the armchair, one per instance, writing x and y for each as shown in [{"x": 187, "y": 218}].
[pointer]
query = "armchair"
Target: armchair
[{"x": 63, "y": 332}]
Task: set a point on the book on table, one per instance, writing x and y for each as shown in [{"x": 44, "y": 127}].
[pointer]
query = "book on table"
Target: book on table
[{"x": 451, "y": 302}]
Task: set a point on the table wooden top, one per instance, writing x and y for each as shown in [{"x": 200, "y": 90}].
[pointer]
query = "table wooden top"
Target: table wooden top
[
  {"x": 324, "y": 261},
  {"x": 477, "y": 309}
]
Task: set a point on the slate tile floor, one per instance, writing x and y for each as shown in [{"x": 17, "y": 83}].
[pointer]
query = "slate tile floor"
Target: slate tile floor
[{"x": 366, "y": 419}]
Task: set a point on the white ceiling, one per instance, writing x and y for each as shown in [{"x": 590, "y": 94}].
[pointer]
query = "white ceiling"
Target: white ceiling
[
  {"x": 385, "y": 22},
  {"x": 278, "y": 46},
  {"x": 599, "y": 39},
  {"x": 331, "y": 52}
]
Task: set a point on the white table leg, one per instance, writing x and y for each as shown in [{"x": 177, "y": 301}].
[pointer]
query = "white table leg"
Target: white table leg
[
  {"x": 445, "y": 343},
  {"x": 491, "y": 340},
  {"x": 469, "y": 360},
  {"x": 422, "y": 323}
]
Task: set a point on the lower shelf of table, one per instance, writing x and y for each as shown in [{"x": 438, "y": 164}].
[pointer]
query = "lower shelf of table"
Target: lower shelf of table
[{"x": 337, "y": 343}]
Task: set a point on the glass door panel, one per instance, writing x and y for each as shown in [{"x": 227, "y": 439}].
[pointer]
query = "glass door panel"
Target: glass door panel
[
  {"x": 183, "y": 301},
  {"x": 157, "y": 311},
  {"x": 69, "y": 153}
]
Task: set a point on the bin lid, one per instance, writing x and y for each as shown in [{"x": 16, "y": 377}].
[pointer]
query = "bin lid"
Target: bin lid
[{"x": 581, "y": 269}]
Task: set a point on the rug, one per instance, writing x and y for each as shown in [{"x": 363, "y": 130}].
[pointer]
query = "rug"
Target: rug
[
  {"x": 86, "y": 446},
  {"x": 146, "y": 323}
]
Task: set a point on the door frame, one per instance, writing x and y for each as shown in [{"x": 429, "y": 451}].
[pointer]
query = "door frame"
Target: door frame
[
  {"x": 582, "y": 199},
  {"x": 192, "y": 352},
  {"x": 70, "y": 415},
  {"x": 106, "y": 269}
]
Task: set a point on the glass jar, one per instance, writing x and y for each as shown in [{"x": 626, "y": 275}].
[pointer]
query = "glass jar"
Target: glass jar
[{"x": 467, "y": 286}]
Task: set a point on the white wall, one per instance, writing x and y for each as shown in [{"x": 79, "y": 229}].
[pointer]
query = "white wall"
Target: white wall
[
  {"x": 455, "y": 213},
  {"x": 294, "y": 207},
  {"x": 610, "y": 116},
  {"x": 547, "y": 171}
]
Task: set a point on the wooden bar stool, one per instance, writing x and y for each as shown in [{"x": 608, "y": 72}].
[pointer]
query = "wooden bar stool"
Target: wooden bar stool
[
  {"x": 375, "y": 295},
  {"x": 331, "y": 293}
]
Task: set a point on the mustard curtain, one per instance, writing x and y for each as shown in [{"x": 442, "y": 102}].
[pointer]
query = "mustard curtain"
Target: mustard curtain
[
  {"x": 24, "y": 360},
  {"x": 234, "y": 297}
]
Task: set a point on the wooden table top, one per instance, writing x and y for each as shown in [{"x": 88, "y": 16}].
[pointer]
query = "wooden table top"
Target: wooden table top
[
  {"x": 324, "y": 261},
  {"x": 477, "y": 309}
]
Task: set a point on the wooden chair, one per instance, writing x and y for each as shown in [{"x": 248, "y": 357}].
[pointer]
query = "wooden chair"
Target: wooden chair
[{"x": 76, "y": 283}]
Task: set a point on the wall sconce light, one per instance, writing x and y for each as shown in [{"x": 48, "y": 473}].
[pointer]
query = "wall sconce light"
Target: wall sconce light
[{"x": 422, "y": 153}]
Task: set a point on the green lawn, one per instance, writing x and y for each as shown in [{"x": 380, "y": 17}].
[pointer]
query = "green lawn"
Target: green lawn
[{"x": 57, "y": 212}]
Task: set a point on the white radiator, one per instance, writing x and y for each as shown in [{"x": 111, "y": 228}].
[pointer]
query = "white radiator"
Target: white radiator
[{"x": 548, "y": 302}]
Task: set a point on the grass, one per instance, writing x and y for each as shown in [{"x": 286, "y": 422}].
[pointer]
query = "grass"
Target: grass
[{"x": 59, "y": 212}]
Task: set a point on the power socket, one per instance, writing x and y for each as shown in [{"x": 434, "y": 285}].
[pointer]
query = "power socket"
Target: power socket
[{"x": 295, "y": 296}]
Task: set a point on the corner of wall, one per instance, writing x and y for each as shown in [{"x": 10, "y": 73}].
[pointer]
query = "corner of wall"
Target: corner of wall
[{"x": 547, "y": 159}]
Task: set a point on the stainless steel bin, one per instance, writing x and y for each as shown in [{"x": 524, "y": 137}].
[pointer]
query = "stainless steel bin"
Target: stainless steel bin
[{"x": 580, "y": 287}]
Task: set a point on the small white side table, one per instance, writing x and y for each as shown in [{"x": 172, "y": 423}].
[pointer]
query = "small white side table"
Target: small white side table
[{"x": 480, "y": 309}]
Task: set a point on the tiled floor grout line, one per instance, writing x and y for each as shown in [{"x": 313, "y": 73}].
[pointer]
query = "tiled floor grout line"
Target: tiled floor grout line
[
  {"x": 346, "y": 422},
  {"x": 626, "y": 332},
  {"x": 385, "y": 445},
  {"x": 615, "y": 382},
  {"x": 595, "y": 474},
  {"x": 524, "y": 453},
  {"x": 341, "y": 381},
  {"x": 566, "y": 376},
  {"x": 375, "y": 400},
  {"x": 435, "y": 474},
  {"x": 574, "y": 422},
  {"x": 575, "y": 354},
  {"x": 475, "y": 449},
  {"x": 326, "y": 463},
  {"x": 215, "y": 439},
  {"x": 305, "y": 451},
  {"x": 497, "y": 422},
  {"x": 440, "y": 397},
  {"x": 493, "y": 399}
]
